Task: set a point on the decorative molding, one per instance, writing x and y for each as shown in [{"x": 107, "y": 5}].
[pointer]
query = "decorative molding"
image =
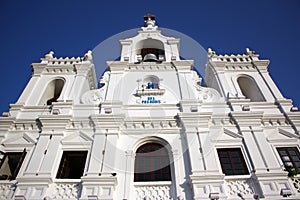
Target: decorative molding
[{"x": 151, "y": 124}]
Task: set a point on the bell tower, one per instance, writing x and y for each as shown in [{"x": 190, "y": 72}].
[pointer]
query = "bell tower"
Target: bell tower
[
  {"x": 57, "y": 81},
  {"x": 257, "y": 109},
  {"x": 241, "y": 77},
  {"x": 246, "y": 84}
]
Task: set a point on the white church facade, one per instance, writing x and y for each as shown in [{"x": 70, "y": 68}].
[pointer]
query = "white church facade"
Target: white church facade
[{"x": 152, "y": 131}]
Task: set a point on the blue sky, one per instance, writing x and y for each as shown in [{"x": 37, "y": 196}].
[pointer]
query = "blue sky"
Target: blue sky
[{"x": 30, "y": 29}]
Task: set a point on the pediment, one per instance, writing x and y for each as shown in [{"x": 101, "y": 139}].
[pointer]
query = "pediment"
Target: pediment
[
  {"x": 228, "y": 136},
  {"x": 78, "y": 138},
  {"x": 282, "y": 135},
  {"x": 19, "y": 140},
  {"x": 232, "y": 133},
  {"x": 290, "y": 134}
]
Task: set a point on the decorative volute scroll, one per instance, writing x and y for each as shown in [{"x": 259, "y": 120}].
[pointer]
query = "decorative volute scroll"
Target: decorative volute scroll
[
  {"x": 96, "y": 96},
  {"x": 93, "y": 96},
  {"x": 207, "y": 94},
  {"x": 204, "y": 94}
]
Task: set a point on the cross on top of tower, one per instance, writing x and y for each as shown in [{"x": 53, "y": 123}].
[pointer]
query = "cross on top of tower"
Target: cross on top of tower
[{"x": 149, "y": 20}]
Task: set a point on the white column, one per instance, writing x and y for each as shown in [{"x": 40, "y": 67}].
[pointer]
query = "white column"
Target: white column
[
  {"x": 179, "y": 176},
  {"x": 50, "y": 157},
  {"x": 186, "y": 91},
  {"x": 96, "y": 154},
  {"x": 208, "y": 152},
  {"x": 225, "y": 87},
  {"x": 268, "y": 153},
  {"x": 192, "y": 147},
  {"x": 115, "y": 86},
  {"x": 128, "y": 176},
  {"x": 110, "y": 154},
  {"x": 37, "y": 156},
  {"x": 78, "y": 88},
  {"x": 254, "y": 152}
]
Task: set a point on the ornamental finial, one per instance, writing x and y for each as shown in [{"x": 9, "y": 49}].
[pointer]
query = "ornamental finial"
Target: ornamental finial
[
  {"x": 249, "y": 52},
  {"x": 88, "y": 56},
  {"x": 49, "y": 55},
  {"x": 210, "y": 52}
]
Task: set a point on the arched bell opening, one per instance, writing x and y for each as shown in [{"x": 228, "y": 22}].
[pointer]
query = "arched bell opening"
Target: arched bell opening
[
  {"x": 250, "y": 89},
  {"x": 52, "y": 92},
  {"x": 150, "y": 50}
]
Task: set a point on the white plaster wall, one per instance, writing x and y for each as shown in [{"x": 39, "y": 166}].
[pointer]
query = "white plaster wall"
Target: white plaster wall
[{"x": 112, "y": 138}]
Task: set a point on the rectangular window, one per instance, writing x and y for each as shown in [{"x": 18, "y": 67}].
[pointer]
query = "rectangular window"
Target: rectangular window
[
  {"x": 72, "y": 164},
  {"x": 290, "y": 157},
  {"x": 232, "y": 161},
  {"x": 10, "y": 164}
]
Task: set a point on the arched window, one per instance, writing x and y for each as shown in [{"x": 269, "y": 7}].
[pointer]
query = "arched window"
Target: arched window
[
  {"x": 152, "y": 163},
  {"x": 151, "y": 82},
  {"x": 52, "y": 92},
  {"x": 250, "y": 89}
]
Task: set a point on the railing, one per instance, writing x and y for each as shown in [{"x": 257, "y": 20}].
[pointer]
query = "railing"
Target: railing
[
  {"x": 153, "y": 190},
  {"x": 7, "y": 190},
  {"x": 147, "y": 92},
  {"x": 296, "y": 184},
  {"x": 239, "y": 187},
  {"x": 66, "y": 190}
]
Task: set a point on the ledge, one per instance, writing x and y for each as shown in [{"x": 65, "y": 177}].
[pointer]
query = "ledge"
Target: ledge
[
  {"x": 152, "y": 183},
  {"x": 147, "y": 92}
]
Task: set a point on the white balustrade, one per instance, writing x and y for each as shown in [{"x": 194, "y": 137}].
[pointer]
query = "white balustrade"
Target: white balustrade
[
  {"x": 66, "y": 190},
  {"x": 7, "y": 190},
  {"x": 153, "y": 190},
  {"x": 239, "y": 187},
  {"x": 296, "y": 183}
]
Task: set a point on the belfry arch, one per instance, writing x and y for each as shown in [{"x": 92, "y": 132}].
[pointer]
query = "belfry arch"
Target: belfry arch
[
  {"x": 150, "y": 46},
  {"x": 249, "y": 88},
  {"x": 52, "y": 91}
]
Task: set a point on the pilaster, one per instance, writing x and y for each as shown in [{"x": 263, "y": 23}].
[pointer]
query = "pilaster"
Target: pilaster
[{"x": 101, "y": 178}]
